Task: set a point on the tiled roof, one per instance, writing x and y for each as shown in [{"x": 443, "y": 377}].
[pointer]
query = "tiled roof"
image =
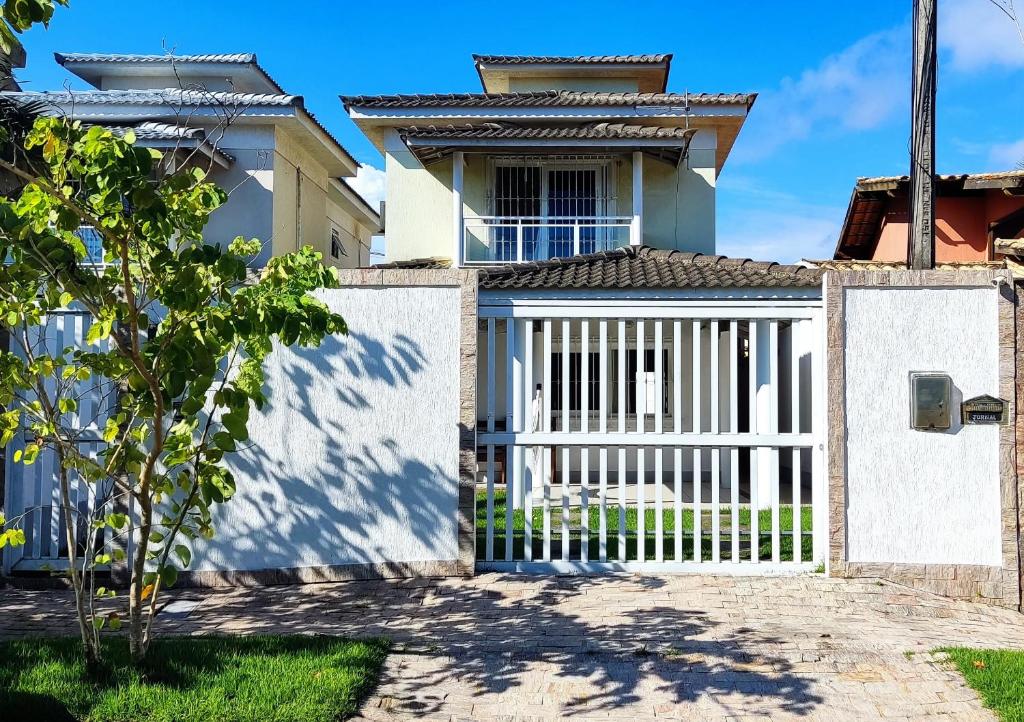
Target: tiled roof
[
  {"x": 417, "y": 263},
  {"x": 1008, "y": 175},
  {"x": 62, "y": 58},
  {"x": 492, "y": 131},
  {"x": 583, "y": 59},
  {"x": 159, "y": 131},
  {"x": 859, "y": 265},
  {"x": 645, "y": 267},
  {"x": 546, "y": 98},
  {"x": 172, "y": 96}
]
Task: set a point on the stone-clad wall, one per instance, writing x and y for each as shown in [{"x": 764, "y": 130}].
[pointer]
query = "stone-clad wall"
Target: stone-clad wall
[{"x": 939, "y": 512}]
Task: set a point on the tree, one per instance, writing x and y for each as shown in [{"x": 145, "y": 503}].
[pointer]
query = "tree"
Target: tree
[
  {"x": 178, "y": 331},
  {"x": 17, "y": 16}
]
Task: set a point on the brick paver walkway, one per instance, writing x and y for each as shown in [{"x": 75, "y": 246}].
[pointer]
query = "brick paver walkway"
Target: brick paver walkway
[{"x": 617, "y": 647}]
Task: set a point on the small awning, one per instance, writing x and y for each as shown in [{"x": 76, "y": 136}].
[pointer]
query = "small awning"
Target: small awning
[{"x": 432, "y": 143}]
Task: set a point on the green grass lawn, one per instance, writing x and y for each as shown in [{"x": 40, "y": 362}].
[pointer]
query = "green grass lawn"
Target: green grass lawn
[
  {"x": 995, "y": 674},
  {"x": 187, "y": 679},
  {"x": 632, "y": 536}
]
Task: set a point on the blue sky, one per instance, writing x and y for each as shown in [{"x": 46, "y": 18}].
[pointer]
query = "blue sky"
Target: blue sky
[{"x": 832, "y": 78}]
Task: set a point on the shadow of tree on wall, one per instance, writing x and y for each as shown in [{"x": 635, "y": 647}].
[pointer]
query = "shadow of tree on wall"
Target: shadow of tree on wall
[
  {"x": 483, "y": 638},
  {"x": 331, "y": 513}
]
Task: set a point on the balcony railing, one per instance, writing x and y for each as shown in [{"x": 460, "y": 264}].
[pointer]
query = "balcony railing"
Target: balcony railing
[{"x": 518, "y": 239}]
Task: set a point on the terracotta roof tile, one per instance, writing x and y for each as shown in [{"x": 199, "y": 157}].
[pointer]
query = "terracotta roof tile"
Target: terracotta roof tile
[{"x": 645, "y": 267}]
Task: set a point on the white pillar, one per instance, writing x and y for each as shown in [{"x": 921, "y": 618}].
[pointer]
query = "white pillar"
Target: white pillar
[
  {"x": 520, "y": 399},
  {"x": 637, "y": 230},
  {"x": 458, "y": 226}
]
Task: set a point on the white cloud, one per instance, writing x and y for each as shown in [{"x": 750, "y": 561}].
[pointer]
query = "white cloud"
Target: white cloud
[
  {"x": 1006, "y": 156},
  {"x": 370, "y": 184},
  {"x": 977, "y": 34},
  {"x": 858, "y": 88}
]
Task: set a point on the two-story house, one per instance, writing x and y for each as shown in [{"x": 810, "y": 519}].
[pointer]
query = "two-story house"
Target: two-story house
[
  {"x": 621, "y": 362},
  {"x": 284, "y": 171},
  {"x": 556, "y": 157}
]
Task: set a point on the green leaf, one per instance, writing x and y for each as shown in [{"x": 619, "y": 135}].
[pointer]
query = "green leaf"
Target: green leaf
[
  {"x": 183, "y": 554},
  {"x": 168, "y": 575},
  {"x": 129, "y": 137}
]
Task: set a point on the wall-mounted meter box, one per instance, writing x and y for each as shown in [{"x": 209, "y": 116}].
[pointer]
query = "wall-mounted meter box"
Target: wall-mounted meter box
[{"x": 930, "y": 401}]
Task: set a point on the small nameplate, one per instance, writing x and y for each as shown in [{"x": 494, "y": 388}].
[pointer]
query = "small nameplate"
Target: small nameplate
[{"x": 984, "y": 410}]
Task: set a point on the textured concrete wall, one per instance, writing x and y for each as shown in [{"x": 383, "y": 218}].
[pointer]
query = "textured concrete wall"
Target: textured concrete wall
[
  {"x": 356, "y": 457},
  {"x": 917, "y": 496},
  {"x": 936, "y": 511}
]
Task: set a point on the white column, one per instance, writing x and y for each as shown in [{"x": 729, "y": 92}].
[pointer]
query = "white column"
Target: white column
[
  {"x": 458, "y": 225},
  {"x": 637, "y": 231}
]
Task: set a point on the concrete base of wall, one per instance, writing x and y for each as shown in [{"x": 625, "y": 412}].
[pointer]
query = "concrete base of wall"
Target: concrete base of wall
[
  {"x": 314, "y": 575},
  {"x": 958, "y": 581}
]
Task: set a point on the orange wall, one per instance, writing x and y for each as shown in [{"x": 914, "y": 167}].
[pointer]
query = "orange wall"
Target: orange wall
[{"x": 961, "y": 227}]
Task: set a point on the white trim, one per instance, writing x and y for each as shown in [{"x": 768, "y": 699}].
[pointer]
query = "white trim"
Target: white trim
[
  {"x": 640, "y": 313},
  {"x": 642, "y": 438},
  {"x": 805, "y": 295},
  {"x": 735, "y": 569},
  {"x": 458, "y": 225},
  {"x": 637, "y": 231}
]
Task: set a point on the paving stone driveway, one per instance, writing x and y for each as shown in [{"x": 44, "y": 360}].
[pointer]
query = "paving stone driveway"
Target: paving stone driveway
[{"x": 515, "y": 647}]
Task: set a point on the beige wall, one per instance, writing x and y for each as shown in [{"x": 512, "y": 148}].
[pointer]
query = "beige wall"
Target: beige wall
[
  {"x": 289, "y": 197},
  {"x": 354, "y": 237},
  {"x": 679, "y": 203},
  {"x": 419, "y": 210},
  {"x": 595, "y": 85}
]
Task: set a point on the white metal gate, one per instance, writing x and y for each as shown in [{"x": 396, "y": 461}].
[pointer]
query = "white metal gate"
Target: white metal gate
[
  {"x": 638, "y": 435},
  {"x": 32, "y": 493}
]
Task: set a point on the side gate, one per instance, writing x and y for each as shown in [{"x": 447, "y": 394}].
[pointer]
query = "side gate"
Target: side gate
[
  {"x": 661, "y": 435},
  {"x": 32, "y": 492}
]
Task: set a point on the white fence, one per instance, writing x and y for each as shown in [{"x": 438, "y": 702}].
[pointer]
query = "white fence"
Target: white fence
[
  {"x": 32, "y": 492},
  {"x": 671, "y": 436}
]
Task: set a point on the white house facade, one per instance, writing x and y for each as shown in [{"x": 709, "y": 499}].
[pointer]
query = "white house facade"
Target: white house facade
[{"x": 285, "y": 172}]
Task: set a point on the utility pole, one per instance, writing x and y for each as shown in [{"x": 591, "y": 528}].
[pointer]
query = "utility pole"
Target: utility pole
[{"x": 922, "y": 138}]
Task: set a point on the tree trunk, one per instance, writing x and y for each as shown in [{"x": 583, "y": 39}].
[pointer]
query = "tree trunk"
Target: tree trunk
[{"x": 89, "y": 647}]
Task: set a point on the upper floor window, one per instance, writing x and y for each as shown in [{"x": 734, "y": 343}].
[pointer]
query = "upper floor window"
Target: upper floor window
[{"x": 337, "y": 249}]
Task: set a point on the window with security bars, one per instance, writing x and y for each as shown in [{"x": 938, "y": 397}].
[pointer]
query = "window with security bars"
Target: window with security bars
[
  {"x": 545, "y": 200},
  {"x": 594, "y": 380}
]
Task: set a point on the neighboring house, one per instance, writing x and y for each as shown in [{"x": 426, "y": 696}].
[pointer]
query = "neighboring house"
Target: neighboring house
[
  {"x": 285, "y": 172},
  {"x": 978, "y": 218},
  {"x": 557, "y": 156}
]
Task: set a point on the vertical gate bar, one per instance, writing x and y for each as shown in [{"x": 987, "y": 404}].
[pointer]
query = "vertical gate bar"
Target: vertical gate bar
[
  {"x": 529, "y": 455},
  {"x": 622, "y": 504},
  {"x": 602, "y": 461},
  {"x": 566, "y": 463},
  {"x": 776, "y": 532},
  {"x": 755, "y": 509},
  {"x": 677, "y": 376},
  {"x": 773, "y": 421},
  {"x": 659, "y": 391},
  {"x": 545, "y": 466},
  {"x": 734, "y": 427},
  {"x": 697, "y": 425},
  {"x": 585, "y": 375},
  {"x": 797, "y": 521},
  {"x": 641, "y": 377},
  {"x": 795, "y": 345},
  {"x": 602, "y": 426},
  {"x": 53, "y": 530},
  {"x": 512, "y": 470},
  {"x": 755, "y": 540},
  {"x": 489, "y": 550},
  {"x": 566, "y": 378},
  {"x": 641, "y": 521},
  {"x": 716, "y": 453},
  {"x": 584, "y": 503},
  {"x": 697, "y": 521},
  {"x": 677, "y": 502},
  {"x": 491, "y": 363},
  {"x": 659, "y": 523},
  {"x": 513, "y": 376},
  {"x": 602, "y": 388},
  {"x": 716, "y": 522},
  {"x": 621, "y": 374},
  {"x": 696, "y": 383}
]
